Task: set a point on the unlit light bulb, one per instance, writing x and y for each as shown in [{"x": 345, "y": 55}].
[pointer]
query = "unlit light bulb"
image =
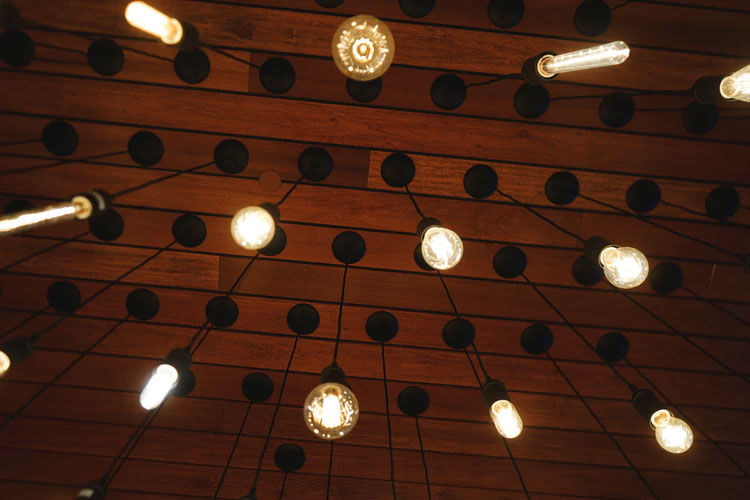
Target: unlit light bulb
[
  {"x": 79, "y": 207},
  {"x": 600, "y": 56},
  {"x": 624, "y": 267},
  {"x": 331, "y": 411},
  {"x": 4, "y": 363},
  {"x": 144, "y": 17},
  {"x": 672, "y": 434},
  {"x": 253, "y": 228},
  {"x": 737, "y": 85},
  {"x": 163, "y": 380},
  {"x": 506, "y": 418},
  {"x": 363, "y": 48},
  {"x": 441, "y": 248}
]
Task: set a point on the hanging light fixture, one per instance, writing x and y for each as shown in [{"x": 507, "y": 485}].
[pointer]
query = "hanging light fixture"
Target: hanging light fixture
[
  {"x": 93, "y": 491},
  {"x": 254, "y": 227},
  {"x": 441, "y": 248},
  {"x": 548, "y": 65},
  {"x": 168, "y": 29},
  {"x": 502, "y": 412},
  {"x": 363, "y": 48},
  {"x": 672, "y": 433},
  {"x": 331, "y": 409},
  {"x": 81, "y": 207},
  {"x": 624, "y": 267},
  {"x": 14, "y": 351},
  {"x": 734, "y": 87},
  {"x": 165, "y": 378}
]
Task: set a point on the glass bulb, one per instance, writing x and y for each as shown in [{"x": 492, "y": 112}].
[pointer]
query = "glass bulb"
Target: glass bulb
[
  {"x": 4, "y": 363},
  {"x": 253, "y": 228},
  {"x": 624, "y": 267},
  {"x": 672, "y": 434},
  {"x": 441, "y": 248},
  {"x": 600, "y": 56},
  {"x": 363, "y": 48},
  {"x": 163, "y": 380},
  {"x": 507, "y": 420},
  {"x": 737, "y": 85},
  {"x": 77, "y": 208},
  {"x": 331, "y": 411},
  {"x": 144, "y": 17}
]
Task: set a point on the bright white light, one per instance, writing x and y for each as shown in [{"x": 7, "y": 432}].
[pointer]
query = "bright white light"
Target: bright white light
[
  {"x": 441, "y": 248},
  {"x": 331, "y": 411},
  {"x": 672, "y": 434},
  {"x": 144, "y": 17},
  {"x": 506, "y": 418},
  {"x": 16, "y": 222},
  {"x": 600, "y": 56},
  {"x": 163, "y": 380},
  {"x": 253, "y": 228},
  {"x": 363, "y": 48},
  {"x": 624, "y": 267},
  {"x": 737, "y": 85},
  {"x": 4, "y": 363}
]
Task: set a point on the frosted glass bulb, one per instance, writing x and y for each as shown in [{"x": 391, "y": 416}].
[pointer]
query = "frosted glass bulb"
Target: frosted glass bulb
[
  {"x": 737, "y": 85},
  {"x": 144, "y": 17},
  {"x": 441, "y": 248},
  {"x": 672, "y": 434},
  {"x": 163, "y": 380},
  {"x": 4, "y": 363},
  {"x": 624, "y": 267},
  {"x": 507, "y": 420},
  {"x": 331, "y": 411},
  {"x": 363, "y": 48},
  {"x": 253, "y": 228},
  {"x": 600, "y": 56}
]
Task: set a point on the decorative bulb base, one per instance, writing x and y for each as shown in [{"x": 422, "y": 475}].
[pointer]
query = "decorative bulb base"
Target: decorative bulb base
[
  {"x": 530, "y": 70},
  {"x": 494, "y": 390},
  {"x": 592, "y": 247}
]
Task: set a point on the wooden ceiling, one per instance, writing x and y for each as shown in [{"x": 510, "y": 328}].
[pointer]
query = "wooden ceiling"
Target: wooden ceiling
[{"x": 582, "y": 437}]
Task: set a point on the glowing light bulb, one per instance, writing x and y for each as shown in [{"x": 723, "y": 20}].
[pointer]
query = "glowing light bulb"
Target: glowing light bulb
[
  {"x": 144, "y": 17},
  {"x": 506, "y": 418},
  {"x": 4, "y": 363},
  {"x": 80, "y": 207},
  {"x": 737, "y": 85},
  {"x": 331, "y": 411},
  {"x": 600, "y": 56},
  {"x": 441, "y": 248},
  {"x": 253, "y": 228},
  {"x": 672, "y": 434},
  {"x": 163, "y": 380},
  {"x": 624, "y": 267},
  {"x": 363, "y": 48}
]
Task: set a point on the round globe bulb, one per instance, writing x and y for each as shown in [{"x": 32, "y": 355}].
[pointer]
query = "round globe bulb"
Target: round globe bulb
[
  {"x": 331, "y": 411},
  {"x": 363, "y": 48},
  {"x": 624, "y": 267},
  {"x": 4, "y": 363},
  {"x": 672, "y": 434},
  {"x": 441, "y": 248},
  {"x": 253, "y": 228},
  {"x": 506, "y": 418}
]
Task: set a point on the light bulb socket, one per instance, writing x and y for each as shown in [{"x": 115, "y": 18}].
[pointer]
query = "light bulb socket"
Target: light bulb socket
[
  {"x": 17, "y": 349},
  {"x": 180, "y": 359},
  {"x": 272, "y": 210},
  {"x": 93, "y": 491},
  {"x": 494, "y": 390},
  {"x": 190, "y": 38},
  {"x": 9, "y": 16},
  {"x": 100, "y": 201},
  {"x": 333, "y": 375},
  {"x": 592, "y": 247},
  {"x": 646, "y": 402},
  {"x": 425, "y": 224},
  {"x": 530, "y": 70},
  {"x": 706, "y": 90}
]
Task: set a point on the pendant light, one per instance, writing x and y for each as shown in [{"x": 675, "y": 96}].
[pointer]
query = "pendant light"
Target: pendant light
[
  {"x": 441, "y": 247},
  {"x": 363, "y": 48},
  {"x": 331, "y": 409},
  {"x": 165, "y": 378},
  {"x": 548, "y": 65},
  {"x": 713, "y": 89},
  {"x": 673, "y": 434},
  {"x": 253, "y": 227},
  {"x": 169, "y": 30},
  {"x": 502, "y": 411},
  {"x": 624, "y": 267},
  {"x": 80, "y": 207}
]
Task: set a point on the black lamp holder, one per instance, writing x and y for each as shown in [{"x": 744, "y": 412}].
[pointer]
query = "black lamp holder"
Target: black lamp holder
[
  {"x": 180, "y": 359},
  {"x": 646, "y": 402},
  {"x": 494, "y": 390},
  {"x": 425, "y": 224},
  {"x": 333, "y": 374},
  {"x": 706, "y": 89},
  {"x": 530, "y": 70},
  {"x": 592, "y": 247},
  {"x": 190, "y": 38}
]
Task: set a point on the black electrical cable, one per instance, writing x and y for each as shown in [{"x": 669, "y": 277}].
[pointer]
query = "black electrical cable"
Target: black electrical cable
[
  {"x": 58, "y": 163},
  {"x": 44, "y": 250},
  {"x": 448, "y": 294},
  {"x": 493, "y": 80},
  {"x": 231, "y": 453},
  {"x": 424, "y": 461},
  {"x": 294, "y": 186},
  {"x": 716, "y": 306},
  {"x": 388, "y": 420},
  {"x": 416, "y": 207},
  {"x": 341, "y": 312},
  {"x": 160, "y": 179},
  {"x": 533, "y": 211}
]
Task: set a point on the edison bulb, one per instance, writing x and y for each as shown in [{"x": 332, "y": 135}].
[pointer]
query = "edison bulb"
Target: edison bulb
[
  {"x": 609, "y": 54},
  {"x": 737, "y": 85},
  {"x": 331, "y": 411},
  {"x": 253, "y": 228},
  {"x": 441, "y": 248},
  {"x": 163, "y": 380},
  {"x": 363, "y": 48},
  {"x": 144, "y": 17},
  {"x": 672, "y": 434},
  {"x": 624, "y": 267},
  {"x": 4, "y": 363},
  {"x": 507, "y": 420}
]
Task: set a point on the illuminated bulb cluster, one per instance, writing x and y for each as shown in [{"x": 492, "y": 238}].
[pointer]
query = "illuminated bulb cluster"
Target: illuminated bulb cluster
[
  {"x": 506, "y": 418},
  {"x": 441, "y": 248},
  {"x": 737, "y": 85},
  {"x": 253, "y": 228},
  {"x": 163, "y": 380},
  {"x": 331, "y": 411},
  {"x": 624, "y": 267},
  {"x": 600, "y": 56},
  {"x": 672, "y": 434},
  {"x": 363, "y": 48},
  {"x": 144, "y": 17}
]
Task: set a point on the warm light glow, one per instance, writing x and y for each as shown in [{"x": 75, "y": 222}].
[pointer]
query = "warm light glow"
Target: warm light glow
[
  {"x": 507, "y": 420},
  {"x": 144, "y": 17},
  {"x": 441, "y": 248},
  {"x": 163, "y": 380},
  {"x": 4, "y": 363},
  {"x": 363, "y": 48},
  {"x": 253, "y": 228},
  {"x": 600, "y": 56},
  {"x": 672, "y": 434},
  {"x": 78, "y": 208},
  {"x": 331, "y": 411},
  {"x": 624, "y": 267},
  {"x": 737, "y": 85}
]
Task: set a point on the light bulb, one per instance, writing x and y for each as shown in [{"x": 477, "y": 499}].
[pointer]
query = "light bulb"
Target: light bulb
[
  {"x": 163, "y": 380},
  {"x": 624, "y": 267},
  {"x": 441, "y": 248},
  {"x": 600, "y": 56},
  {"x": 144, "y": 17},
  {"x": 79, "y": 207},
  {"x": 672, "y": 434},
  {"x": 253, "y": 228},
  {"x": 331, "y": 411},
  {"x": 363, "y": 48},
  {"x": 507, "y": 420},
  {"x": 737, "y": 85},
  {"x": 4, "y": 363}
]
